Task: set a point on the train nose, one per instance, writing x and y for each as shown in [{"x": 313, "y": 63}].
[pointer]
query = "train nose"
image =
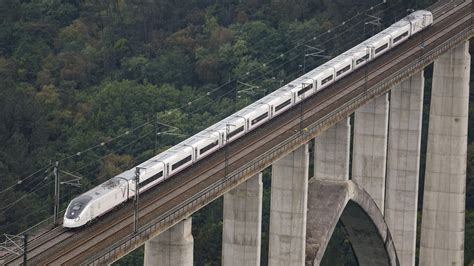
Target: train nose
[{"x": 71, "y": 223}]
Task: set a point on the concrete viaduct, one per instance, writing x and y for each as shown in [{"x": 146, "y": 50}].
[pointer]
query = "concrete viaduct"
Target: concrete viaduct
[
  {"x": 378, "y": 205},
  {"x": 372, "y": 188}
]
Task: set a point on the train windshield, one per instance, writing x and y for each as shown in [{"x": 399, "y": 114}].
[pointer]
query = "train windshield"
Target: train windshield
[{"x": 77, "y": 205}]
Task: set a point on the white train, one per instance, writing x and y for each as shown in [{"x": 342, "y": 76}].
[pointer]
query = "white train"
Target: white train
[{"x": 120, "y": 188}]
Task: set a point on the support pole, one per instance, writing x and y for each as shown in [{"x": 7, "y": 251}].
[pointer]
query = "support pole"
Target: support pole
[
  {"x": 226, "y": 151},
  {"x": 332, "y": 152},
  {"x": 242, "y": 223},
  {"x": 288, "y": 206},
  {"x": 403, "y": 164},
  {"x": 173, "y": 247},
  {"x": 56, "y": 193},
  {"x": 135, "y": 202},
  {"x": 444, "y": 196},
  {"x": 25, "y": 249},
  {"x": 156, "y": 135},
  {"x": 369, "y": 153},
  {"x": 301, "y": 111}
]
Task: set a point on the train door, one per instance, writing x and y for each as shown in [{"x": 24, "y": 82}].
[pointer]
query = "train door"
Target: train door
[
  {"x": 371, "y": 52},
  {"x": 93, "y": 210}
]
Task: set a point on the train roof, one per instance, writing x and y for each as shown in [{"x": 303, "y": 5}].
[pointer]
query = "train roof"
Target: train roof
[
  {"x": 108, "y": 186},
  {"x": 418, "y": 14}
]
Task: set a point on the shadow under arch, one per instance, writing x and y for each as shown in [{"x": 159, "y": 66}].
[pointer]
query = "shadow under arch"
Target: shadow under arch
[{"x": 329, "y": 201}]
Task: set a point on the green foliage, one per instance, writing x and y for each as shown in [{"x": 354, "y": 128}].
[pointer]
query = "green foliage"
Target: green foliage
[
  {"x": 207, "y": 233},
  {"x": 470, "y": 177},
  {"x": 339, "y": 250},
  {"x": 469, "y": 238},
  {"x": 134, "y": 258}
]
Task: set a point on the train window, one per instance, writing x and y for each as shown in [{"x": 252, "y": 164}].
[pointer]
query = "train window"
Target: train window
[
  {"x": 151, "y": 179},
  {"x": 259, "y": 118},
  {"x": 305, "y": 89},
  {"x": 235, "y": 132},
  {"x": 343, "y": 70},
  {"x": 326, "y": 80},
  {"x": 401, "y": 36},
  {"x": 178, "y": 164},
  {"x": 381, "y": 48},
  {"x": 77, "y": 206},
  {"x": 362, "y": 59},
  {"x": 280, "y": 106},
  {"x": 208, "y": 147}
]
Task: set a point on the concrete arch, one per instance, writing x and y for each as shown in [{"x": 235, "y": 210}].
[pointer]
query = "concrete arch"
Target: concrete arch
[{"x": 329, "y": 201}]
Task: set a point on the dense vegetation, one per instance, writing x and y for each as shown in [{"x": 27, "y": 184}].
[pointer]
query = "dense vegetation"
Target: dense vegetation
[{"x": 89, "y": 83}]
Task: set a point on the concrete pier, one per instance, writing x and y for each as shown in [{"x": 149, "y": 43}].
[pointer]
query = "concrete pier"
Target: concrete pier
[
  {"x": 370, "y": 148},
  {"x": 241, "y": 233},
  {"x": 403, "y": 163},
  {"x": 331, "y": 152},
  {"x": 289, "y": 194},
  {"x": 171, "y": 248},
  {"x": 442, "y": 227}
]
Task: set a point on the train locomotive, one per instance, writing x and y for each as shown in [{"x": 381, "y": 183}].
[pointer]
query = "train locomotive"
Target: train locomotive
[{"x": 104, "y": 197}]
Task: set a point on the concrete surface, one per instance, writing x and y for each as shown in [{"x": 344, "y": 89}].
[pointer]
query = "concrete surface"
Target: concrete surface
[
  {"x": 241, "y": 232},
  {"x": 442, "y": 227},
  {"x": 370, "y": 148},
  {"x": 171, "y": 248},
  {"x": 329, "y": 201},
  {"x": 288, "y": 208},
  {"x": 331, "y": 152},
  {"x": 403, "y": 162}
]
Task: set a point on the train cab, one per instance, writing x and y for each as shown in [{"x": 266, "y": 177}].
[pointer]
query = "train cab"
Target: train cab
[
  {"x": 77, "y": 213},
  {"x": 419, "y": 20}
]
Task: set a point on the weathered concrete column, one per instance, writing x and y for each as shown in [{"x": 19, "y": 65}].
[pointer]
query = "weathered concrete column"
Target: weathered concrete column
[
  {"x": 241, "y": 234},
  {"x": 173, "y": 247},
  {"x": 370, "y": 148},
  {"x": 442, "y": 227},
  {"x": 331, "y": 152},
  {"x": 289, "y": 195},
  {"x": 403, "y": 163}
]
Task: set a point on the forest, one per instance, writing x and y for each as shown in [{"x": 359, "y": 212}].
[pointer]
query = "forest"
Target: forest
[{"x": 99, "y": 86}]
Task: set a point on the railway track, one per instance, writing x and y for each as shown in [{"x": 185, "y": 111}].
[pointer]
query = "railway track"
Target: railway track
[{"x": 72, "y": 247}]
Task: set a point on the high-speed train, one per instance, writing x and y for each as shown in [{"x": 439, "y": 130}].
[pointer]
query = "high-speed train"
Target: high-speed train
[{"x": 120, "y": 188}]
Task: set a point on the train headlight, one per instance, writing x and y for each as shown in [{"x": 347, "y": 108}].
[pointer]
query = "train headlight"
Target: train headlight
[{"x": 77, "y": 219}]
